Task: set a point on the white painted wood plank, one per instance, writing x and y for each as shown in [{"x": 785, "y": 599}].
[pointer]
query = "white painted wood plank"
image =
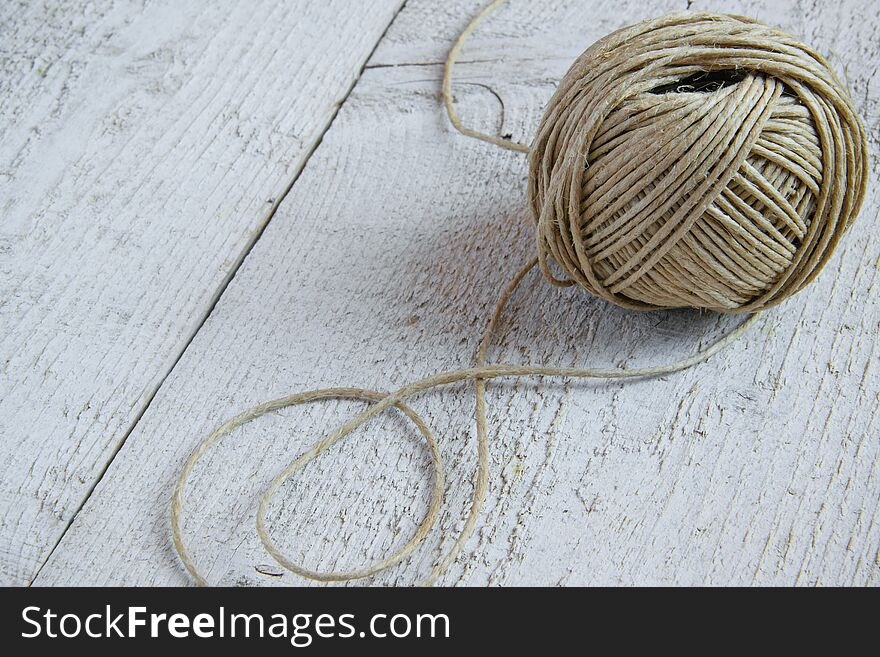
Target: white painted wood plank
[
  {"x": 762, "y": 466},
  {"x": 142, "y": 146}
]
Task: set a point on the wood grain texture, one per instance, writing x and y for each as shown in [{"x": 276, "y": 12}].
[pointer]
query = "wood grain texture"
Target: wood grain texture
[
  {"x": 760, "y": 467},
  {"x": 142, "y": 147}
]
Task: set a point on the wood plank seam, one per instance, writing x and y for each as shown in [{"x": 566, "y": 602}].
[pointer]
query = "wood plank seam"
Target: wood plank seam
[{"x": 218, "y": 293}]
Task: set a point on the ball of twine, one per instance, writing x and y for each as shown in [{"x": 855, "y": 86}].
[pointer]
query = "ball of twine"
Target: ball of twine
[{"x": 696, "y": 160}]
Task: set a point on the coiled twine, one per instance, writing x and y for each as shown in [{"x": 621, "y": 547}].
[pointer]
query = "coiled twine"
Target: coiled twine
[
  {"x": 696, "y": 160},
  {"x": 693, "y": 160}
]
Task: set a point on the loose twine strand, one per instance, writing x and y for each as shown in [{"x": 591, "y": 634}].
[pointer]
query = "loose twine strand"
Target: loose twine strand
[
  {"x": 382, "y": 401},
  {"x": 449, "y": 101}
]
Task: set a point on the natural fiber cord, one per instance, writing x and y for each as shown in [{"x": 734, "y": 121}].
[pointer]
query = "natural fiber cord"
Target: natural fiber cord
[
  {"x": 690, "y": 161},
  {"x": 696, "y": 193}
]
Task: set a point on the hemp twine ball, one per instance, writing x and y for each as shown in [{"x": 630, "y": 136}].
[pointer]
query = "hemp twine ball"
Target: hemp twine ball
[{"x": 696, "y": 160}]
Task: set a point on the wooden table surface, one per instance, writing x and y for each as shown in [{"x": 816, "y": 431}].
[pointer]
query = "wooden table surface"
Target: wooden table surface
[{"x": 207, "y": 205}]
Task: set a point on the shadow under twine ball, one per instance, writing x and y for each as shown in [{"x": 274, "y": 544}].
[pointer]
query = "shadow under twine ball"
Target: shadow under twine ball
[{"x": 697, "y": 161}]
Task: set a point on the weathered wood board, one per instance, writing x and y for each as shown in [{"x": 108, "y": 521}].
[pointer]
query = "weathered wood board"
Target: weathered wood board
[
  {"x": 142, "y": 147},
  {"x": 759, "y": 467}
]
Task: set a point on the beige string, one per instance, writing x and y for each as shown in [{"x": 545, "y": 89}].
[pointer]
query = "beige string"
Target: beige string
[
  {"x": 449, "y": 101},
  {"x": 554, "y": 190},
  {"x": 724, "y": 162},
  {"x": 480, "y": 373}
]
